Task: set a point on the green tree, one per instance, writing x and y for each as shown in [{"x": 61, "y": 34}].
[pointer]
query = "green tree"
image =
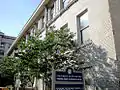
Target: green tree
[
  {"x": 8, "y": 69},
  {"x": 41, "y": 55}
]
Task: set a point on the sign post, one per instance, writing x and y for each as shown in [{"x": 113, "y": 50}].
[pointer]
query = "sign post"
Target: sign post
[{"x": 67, "y": 80}]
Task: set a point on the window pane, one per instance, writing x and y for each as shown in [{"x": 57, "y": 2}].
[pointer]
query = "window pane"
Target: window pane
[
  {"x": 65, "y": 2},
  {"x": 85, "y": 35},
  {"x": 1, "y": 52},
  {"x": 84, "y": 20},
  {"x": 52, "y": 12},
  {"x": 43, "y": 22}
]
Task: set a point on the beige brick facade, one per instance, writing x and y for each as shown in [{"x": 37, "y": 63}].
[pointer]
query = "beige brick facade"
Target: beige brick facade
[{"x": 100, "y": 26}]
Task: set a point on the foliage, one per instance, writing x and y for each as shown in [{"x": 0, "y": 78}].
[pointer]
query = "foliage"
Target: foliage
[
  {"x": 8, "y": 69},
  {"x": 38, "y": 57},
  {"x": 99, "y": 69}
]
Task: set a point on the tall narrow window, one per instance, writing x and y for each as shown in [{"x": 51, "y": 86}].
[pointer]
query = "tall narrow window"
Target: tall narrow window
[
  {"x": 43, "y": 21},
  {"x": 27, "y": 36},
  {"x": 52, "y": 12},
  {"x": 83, "y": 26}
]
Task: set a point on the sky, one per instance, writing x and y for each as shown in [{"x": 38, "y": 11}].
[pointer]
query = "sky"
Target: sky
[{"x": 14, "y": 14}]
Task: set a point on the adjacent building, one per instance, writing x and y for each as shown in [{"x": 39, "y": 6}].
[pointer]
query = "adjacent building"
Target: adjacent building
[
  {"x": 5, "y": 43},
  {"x": 98, "y": 20}
]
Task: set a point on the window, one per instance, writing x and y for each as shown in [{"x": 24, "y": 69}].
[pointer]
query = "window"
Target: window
[
  {"x": 43, "y": 22},
  {"x": 65, "y": 27},
  {"x": 1, "y": 52},
  {"x": 83, "y": 26},
  {"x": 2, "y": 45},
  {"x": 27, "y": 36},
  {"x": 9, "y": 45},
  {"x": 40, "y": 24},
  {"x": 52, "y": 12},
  {"x": 65, "y": 3}
]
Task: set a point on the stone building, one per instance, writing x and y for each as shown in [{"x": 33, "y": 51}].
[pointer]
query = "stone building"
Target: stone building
[
  {"x": 97, "y": 20},
  {"x": 5, "y": 43}
]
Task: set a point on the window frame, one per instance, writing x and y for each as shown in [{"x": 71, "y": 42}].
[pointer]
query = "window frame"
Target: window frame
[{"x": 80, "y": 30}]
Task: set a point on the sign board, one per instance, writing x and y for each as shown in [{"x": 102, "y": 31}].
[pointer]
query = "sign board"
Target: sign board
[
  {"x": 68, "y": 80},
  {"x": 73, "y": 77},
  {"x": 69, "y": 87}
]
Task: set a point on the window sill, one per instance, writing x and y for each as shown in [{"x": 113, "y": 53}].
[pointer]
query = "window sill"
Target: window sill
[{"x": 61, "y": 12}]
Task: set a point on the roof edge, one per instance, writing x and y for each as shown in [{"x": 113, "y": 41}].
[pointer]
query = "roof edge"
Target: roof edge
[{"x": 26, "y": 26}]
